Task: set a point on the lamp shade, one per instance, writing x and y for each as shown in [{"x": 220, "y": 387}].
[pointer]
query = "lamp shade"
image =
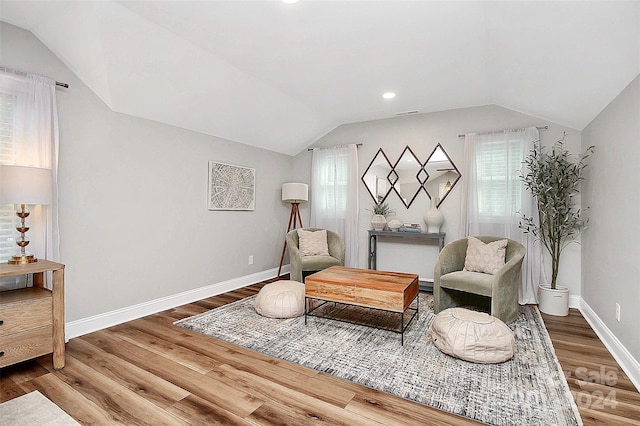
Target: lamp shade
[
  {"x": 25, "y": 185},
  {"x": 293, "y": 192}
]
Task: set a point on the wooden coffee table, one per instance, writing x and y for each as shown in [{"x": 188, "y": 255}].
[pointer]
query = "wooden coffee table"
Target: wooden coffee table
[{"x": 387, "y": 291}]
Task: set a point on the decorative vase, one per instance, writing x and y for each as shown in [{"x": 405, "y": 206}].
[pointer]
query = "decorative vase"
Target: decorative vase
[
  {"x": 394, "y": 224},
  {"x": 553, "y": 301},
  {"x": 433, "y": 217},
  {"x": 378, "y": 222}
]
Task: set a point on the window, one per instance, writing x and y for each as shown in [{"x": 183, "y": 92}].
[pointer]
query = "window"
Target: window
[
  {"x": 8, "y": 218},
  {"x": 498, "y": 165},
  {"x": 335, "y": 183}
]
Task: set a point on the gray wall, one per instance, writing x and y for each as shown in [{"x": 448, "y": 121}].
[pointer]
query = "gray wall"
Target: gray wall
[
  {"x": 611, "y": 245},
  {"x": 134, "y": 225},
  {"x": 422, "y": 132}
]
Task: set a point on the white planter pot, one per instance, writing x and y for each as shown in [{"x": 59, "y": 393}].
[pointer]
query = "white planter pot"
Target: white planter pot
[
  {"x": 378, "y": 222},
  {"x": 553, "y": 301}
]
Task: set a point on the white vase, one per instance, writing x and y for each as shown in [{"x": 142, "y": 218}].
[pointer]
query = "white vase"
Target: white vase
[
  {"x": 378, "y": 222},
  {"x": 433, "y": 217},
  {"x": 553, "y": 301}
]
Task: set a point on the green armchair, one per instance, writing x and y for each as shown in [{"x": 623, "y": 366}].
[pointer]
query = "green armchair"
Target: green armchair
[
  {"x": 300, "y": 264},
  {"x": 452, "y": 286}
]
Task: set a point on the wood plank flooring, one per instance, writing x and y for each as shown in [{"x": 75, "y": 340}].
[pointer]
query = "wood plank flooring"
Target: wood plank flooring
[{"x": 148, "y": 372}]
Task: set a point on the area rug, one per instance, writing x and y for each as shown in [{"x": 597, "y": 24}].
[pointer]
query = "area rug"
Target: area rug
[
  {"x": 33, "y": 409},
  {"x": 529, "y": 389}
]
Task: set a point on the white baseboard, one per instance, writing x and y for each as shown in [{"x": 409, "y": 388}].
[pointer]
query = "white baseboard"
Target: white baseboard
[
  {"x": 627, "y": 362},
  {"x": 119, "y": 316}
]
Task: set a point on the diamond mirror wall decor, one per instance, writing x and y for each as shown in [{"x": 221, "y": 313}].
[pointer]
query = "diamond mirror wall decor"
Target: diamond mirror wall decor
[
  {"x": 443, "y": 174},
  {"x": 437, "y": 176},
  {"x": 406, "y": 173},
  {"x": 376, "y": 177}
]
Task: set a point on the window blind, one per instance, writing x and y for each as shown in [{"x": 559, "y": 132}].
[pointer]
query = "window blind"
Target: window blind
[{"x": 498, "y": 164}]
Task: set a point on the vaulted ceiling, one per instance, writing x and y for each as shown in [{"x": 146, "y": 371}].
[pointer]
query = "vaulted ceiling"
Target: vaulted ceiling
[{"x": 280, "y": 76}]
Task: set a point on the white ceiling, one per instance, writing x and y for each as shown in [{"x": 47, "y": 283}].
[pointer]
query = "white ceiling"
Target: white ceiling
[{"x": 280, "y": 76}]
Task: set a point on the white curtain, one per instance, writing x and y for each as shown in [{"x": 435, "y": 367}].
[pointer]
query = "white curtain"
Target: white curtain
[
  {"x": 30, "y": 138},
  {"x": 334, "y": 195},
  {"x": 496, "y": 196}
]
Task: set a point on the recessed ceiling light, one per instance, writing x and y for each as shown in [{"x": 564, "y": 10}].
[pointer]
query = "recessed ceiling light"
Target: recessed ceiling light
[
  {"x": 289, "y": 1},
  {"x": 389, "y": 95}
]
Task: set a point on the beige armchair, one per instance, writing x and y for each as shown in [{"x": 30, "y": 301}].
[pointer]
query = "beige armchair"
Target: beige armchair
[
  {"x": 497, "y": 293},
  {"x": 301, "y": 264}
]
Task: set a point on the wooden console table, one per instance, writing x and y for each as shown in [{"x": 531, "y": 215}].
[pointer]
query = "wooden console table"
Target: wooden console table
[
  {"x": 415, "y": 236},
  {"x": 32, "y": 318}
]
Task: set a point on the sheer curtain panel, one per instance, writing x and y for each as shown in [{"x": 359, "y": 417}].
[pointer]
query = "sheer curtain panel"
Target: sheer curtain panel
[
  {"x": 334, "y": 195},
  {"x": 495, "y": 195},
  {"x": 29, "y": 137}
]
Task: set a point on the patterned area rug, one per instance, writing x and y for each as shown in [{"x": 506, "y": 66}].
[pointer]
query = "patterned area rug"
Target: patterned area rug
[
  {"x": 33, "y": 409},
  {"x": 529, "y": 389}
]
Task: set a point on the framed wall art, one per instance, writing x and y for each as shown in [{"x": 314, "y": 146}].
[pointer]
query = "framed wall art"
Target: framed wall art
[{"x": 231, "y": 187}]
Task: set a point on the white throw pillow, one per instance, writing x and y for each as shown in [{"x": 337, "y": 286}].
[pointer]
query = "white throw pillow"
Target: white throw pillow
[
  {"x": 486, "y": 258},
  {"x": 313, "y": 243}
]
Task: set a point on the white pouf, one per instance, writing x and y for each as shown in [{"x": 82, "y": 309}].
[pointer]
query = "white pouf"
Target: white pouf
[
  {"x": 281, "y": 299},
  {"x": 472, "y": 336}
]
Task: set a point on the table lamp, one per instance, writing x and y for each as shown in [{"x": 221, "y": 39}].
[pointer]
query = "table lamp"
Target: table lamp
[
  {"x": 294, "y": 193},
  {"x": 24, "y": 186}
]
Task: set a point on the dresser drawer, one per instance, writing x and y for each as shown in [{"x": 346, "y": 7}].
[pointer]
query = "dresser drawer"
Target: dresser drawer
[
  {"x": 24, "y": 310},
  {"x": 22, "y": 346}
]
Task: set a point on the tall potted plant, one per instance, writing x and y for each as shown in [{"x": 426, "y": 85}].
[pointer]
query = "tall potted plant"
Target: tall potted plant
[{"x": 553, "y": 178}]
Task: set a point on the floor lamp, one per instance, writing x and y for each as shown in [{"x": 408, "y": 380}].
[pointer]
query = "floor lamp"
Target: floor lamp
[{"x": 294, "y": 193}]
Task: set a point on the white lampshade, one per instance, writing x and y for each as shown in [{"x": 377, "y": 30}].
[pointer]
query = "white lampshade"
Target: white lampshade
[
  {"x": 25, "y": 185},
  {"x": 293, "y": 192}
]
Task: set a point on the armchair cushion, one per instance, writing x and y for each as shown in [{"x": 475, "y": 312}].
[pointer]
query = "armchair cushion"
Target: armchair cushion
[
  {"x": 313, "y": 243},
  {"x": 471, "y": 282},
  {"x": 317, "y": 263},
  {"x": 485, "y": 257}
]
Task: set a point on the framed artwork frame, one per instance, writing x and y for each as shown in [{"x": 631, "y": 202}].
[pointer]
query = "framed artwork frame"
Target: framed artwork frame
[{"x": 231, "y": 187}]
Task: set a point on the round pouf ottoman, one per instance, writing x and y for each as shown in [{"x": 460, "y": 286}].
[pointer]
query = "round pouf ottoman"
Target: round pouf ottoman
[
  {"x": 281, "y": 299},
  {"x": 472, "y": 336}
]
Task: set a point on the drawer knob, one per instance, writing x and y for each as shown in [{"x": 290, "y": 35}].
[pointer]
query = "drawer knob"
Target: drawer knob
[
  {"x": 1, "y": 322},
  {"x": 1, "y": 353}
]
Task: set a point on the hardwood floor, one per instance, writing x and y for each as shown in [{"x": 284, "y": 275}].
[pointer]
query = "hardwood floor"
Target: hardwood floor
[
  {"x": 603, "y": 392},
  {"x": 149, "y": 372}
]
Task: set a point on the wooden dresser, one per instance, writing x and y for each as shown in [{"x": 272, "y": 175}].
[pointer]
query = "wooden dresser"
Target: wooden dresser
[{"x": 32, "y": 318}]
